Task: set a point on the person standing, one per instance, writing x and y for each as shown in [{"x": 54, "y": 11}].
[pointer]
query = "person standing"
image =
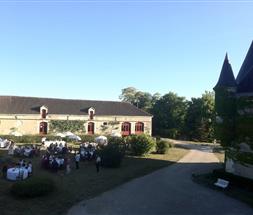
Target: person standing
[
  {"x": 68, "y": 169},
  {"x": 77, "y": 159},
  {"x": 98, "y": 163}
]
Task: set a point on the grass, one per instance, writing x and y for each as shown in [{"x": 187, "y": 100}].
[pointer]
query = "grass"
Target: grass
[
  {"x": 81, "y": 184},
  {"x": 240, "y": 193}
]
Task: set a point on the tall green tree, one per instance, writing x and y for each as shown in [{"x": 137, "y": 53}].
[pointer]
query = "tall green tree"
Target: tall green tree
[
  {"x": 169, "y": 115},
  {"x": 199, "y": 121},
  {"x": 142, "y": 100}
]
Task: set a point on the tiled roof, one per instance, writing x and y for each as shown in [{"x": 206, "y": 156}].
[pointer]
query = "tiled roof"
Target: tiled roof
[{"x": 31, "y": 105}]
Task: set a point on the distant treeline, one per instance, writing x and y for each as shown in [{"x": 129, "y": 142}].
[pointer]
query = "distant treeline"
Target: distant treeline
[{"x": 175, "y": 116}]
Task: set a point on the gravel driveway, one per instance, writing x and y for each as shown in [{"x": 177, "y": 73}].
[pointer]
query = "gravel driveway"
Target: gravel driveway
[{"x": 167, "y": 191}]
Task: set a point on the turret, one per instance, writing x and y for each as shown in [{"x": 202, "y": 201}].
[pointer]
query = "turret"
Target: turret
[{"x": 225, "y": 104}]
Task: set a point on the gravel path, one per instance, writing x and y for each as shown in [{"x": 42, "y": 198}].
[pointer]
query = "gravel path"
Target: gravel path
[{"x": 167, "y": 191}]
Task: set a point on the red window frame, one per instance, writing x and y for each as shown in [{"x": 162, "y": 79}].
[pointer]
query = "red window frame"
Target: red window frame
[
  {"x": 91, "y": 126},
  {"x": 139, "y": 128}
]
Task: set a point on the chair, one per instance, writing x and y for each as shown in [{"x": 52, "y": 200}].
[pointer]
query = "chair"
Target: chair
[{"x": 221, "y": 183}]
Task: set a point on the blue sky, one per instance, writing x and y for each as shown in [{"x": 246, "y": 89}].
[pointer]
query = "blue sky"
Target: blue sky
[{"x": 91, "y": 50}]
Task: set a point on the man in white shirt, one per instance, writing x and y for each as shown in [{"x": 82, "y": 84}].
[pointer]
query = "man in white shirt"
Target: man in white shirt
[{"x": 77, "y": 159}]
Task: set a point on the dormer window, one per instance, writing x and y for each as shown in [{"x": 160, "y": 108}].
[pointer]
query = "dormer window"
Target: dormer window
[
  {"x": 43, "y": 112},
  {"x": 91, "y": 113}
]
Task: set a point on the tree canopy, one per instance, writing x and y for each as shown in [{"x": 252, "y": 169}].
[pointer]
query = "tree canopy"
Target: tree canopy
[{"x": 173, "y": 115}]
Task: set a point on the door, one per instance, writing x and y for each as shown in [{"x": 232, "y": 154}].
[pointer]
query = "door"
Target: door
[
  {"x": 91, "y": 127},
  {"x": 126, "y": 129},
  {"x": 43, "y": 128}
]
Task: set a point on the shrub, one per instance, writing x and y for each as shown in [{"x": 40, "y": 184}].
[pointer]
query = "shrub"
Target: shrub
[
  {"x": 115, "y": 140},
  {"x": 32, "y": 187},
  {"x": 162, "y": 146},
  {"x": 111, "y": 155},
  {"x": 140, "y": 144},
  {"x": 88, "y": 138}
]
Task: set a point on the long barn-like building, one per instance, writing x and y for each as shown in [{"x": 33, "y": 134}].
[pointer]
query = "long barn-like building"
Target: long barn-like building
[{"x": 32, "y": 116}]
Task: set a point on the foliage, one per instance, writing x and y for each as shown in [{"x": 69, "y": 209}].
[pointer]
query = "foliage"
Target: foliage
[
  {"x": 142, "y": 100},
  {"x": 67, "y": 125},
  {"x": 26, "y": 138},
  {"x": 243, "y": 158},
  {"x": 174, "y": 116},
  {"x": 140, "y": 144},
  {"x": 169, "y": 115},
  {"x": 111, "y": 155},
  {"x": 199, "y": 122},
  {"x": 88, "y": 138},
  {"x": 162, "y": 146},
  {"x": 225, "y": 108},
  {"x": 33, "y": 187},
  {"x": 115, "y": 140}
]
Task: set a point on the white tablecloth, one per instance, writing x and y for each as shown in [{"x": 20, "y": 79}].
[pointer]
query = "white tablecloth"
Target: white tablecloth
[
  {"x": 59, "y": 161},
  {"x": 27, "y": 152},
  {"x": 3, "y": 144},
  {"x": 13, "y": 173}
]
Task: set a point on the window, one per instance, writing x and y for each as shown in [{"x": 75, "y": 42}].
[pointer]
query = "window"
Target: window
[
  {"x": 44, "y": 113},
  {"x": 91, "y": 115},
  {"x": 139, "y": 128},
  {"x": 91, "y": 112},
  {"x": 126, "y": 128}
]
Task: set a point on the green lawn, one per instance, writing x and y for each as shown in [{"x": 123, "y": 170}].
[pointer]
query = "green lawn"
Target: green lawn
[{"x": 81, "y": 184}]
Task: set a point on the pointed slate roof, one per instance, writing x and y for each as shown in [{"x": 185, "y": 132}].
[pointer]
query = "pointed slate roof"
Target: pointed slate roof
[
  {"x": 246, "y": 85},
  {"x": 226, "y": 78},
  {"x": 246, "y": 66},
  {"x": 245, "y": 73}
]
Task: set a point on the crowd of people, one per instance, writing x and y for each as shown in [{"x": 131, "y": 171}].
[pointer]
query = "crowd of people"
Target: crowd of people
[
  {"x": 24, "y": 151},
  {"x": 58, "y": 148},
  {"x": 53, "y": 162},
  {"x": 55, "y": 156}
]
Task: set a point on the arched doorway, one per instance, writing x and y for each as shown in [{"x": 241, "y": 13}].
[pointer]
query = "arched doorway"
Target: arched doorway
[
  {"x": 139, "y": 128},
  {"x": 91, "y": 127},
  {"x": 126, "y": 129},
  {"x": 43, "y": 128}
]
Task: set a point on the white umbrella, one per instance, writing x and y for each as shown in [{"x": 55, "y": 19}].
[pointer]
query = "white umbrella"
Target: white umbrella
[{"x": 116, "y": 135}]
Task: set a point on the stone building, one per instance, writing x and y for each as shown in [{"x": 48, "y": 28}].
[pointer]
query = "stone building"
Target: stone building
[
  {"x": 234, "y": 115},
  {"x": 33, "y": 116}
]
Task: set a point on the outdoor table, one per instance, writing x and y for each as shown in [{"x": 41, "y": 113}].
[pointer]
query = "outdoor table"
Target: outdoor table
[{"x": 13, "y": 173}]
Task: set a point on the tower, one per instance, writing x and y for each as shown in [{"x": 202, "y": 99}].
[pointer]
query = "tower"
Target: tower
[{"x": 225, "y": 104}]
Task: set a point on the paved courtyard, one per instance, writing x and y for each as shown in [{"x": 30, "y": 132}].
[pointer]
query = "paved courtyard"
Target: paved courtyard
[{"x": 167, "y": 191}]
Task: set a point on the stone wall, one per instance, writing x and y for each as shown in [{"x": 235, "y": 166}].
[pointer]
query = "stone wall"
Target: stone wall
[{"x": 29, "y": 124}]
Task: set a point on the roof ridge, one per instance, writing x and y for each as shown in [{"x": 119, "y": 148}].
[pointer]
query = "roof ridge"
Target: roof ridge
[{"x": 34, "y": 97}]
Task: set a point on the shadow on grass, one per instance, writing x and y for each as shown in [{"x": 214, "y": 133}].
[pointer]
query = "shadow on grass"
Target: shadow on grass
[{"x": 80, "y": 184}]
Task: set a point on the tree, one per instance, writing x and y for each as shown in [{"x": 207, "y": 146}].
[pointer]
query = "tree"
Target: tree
[
  {"x": 199, "y": 121},
  {"x": 128, "y": 95},
  {"x": 142, "y": 100},
  {"x": 169, "y": 115}
]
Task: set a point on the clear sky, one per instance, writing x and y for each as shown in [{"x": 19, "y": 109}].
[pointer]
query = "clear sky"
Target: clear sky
[{"x": 93, "y": 49}]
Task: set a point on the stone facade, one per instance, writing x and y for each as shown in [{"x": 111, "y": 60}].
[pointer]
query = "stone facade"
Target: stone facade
[{"x": 104, "y": 124}]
